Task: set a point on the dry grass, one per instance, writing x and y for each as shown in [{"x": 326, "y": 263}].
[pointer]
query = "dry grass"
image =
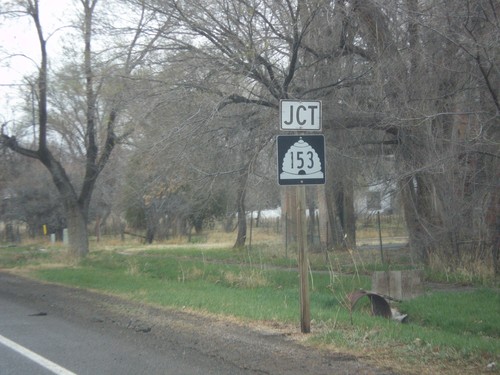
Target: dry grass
[
  {"x": 469, "y": 267},
  {"x": 191, "y": 274},
  {"x": 246, "y": 278}
]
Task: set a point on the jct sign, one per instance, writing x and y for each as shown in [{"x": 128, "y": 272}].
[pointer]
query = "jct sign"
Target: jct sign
[{"x": 300, "y": 115}]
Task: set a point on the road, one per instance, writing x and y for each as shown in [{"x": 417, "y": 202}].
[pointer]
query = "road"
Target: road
[
  {"x": 50, "y": 329},
  {"x": 83, "y": 348}
]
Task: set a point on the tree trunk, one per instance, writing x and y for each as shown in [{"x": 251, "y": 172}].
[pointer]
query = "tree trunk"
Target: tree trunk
[
  {"x": 344, "y": 201},
  {"x": 329, "y": 226},
  {"x": 242, "y": 226},
  {"x": 77, "y": 231},
  {"x": 242, "y": 219},
  {"x": 349, "y": 219},
  {"x": 151, "y": 224},
  {"x": 408, "y": 200},
  {"x": 150, "y": 235},
  {"x": 418, "y": 212},
  {"x": 493, "y": 226}
]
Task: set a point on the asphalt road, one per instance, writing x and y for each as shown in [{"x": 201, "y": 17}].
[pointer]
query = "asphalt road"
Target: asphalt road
[
  {"x": 51, "y": 329},
  {"x": 88, "y": 348}
]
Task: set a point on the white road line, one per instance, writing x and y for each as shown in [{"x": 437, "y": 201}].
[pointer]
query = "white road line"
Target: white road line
[{"x": 49, "y": 365}]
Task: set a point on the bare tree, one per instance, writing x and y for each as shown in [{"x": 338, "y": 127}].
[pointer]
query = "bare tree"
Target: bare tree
[
  {"x": 96, "y": 139},
  {"x": 436, "y": 71},
  {"x": 254, "y": 52}
]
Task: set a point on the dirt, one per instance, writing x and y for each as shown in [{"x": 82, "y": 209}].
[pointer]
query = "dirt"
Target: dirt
[{"x": 258, "y": 348}]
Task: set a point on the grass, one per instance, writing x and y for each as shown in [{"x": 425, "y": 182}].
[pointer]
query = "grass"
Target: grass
[
  {"x": 18, "y": 256},
  {"x": 479, "y": 312},
  {"x": 447, "y": 333}
]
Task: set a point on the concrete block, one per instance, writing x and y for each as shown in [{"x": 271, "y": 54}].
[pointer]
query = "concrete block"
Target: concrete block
[{"x": 400, "y": 285}]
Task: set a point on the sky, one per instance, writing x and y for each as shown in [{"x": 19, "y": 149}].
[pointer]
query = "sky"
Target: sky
[{"x": 19, "y": 53}]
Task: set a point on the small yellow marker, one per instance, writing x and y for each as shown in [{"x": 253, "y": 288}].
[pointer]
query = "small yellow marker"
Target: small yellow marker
[{"x": 44, "y": 229}]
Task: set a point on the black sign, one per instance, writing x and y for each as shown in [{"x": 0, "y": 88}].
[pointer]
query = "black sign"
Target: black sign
[{"x": 301, "y": 159}]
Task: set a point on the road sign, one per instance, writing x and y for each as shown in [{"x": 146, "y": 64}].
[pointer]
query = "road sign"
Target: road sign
[
  {"x": 300, "y": 115},
  {"x": 301, "y": 159}
]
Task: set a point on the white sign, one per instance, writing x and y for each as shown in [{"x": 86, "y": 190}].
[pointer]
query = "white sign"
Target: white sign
[{"x": 300, "y": 115}]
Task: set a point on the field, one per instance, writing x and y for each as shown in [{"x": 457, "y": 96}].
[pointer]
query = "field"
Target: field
[{"x": 452, "y": 328}]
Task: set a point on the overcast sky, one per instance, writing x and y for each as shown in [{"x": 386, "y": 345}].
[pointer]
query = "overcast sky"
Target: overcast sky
[{"x": 19, "y": 53}]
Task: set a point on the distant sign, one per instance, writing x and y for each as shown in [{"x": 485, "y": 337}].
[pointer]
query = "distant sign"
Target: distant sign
[
  {"x": 301, "y": 159},
  {"x": 300, "y": 115}
]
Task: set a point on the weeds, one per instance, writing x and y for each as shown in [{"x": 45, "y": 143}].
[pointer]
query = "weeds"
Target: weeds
[
  {"x": 245, "y": 278},
  {"x": 470, "y": 268}
]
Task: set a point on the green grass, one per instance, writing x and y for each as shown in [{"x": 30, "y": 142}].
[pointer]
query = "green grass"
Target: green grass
[
  {"x": 202, "y": 282},
  {"x": 444, "y": 327},
  {"x": 466, "y": 313},
  {"x": 19, "y": 256}
]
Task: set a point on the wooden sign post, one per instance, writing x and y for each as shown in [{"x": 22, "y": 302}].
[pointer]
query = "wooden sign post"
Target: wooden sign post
[{"x": 305, "y": 311}]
